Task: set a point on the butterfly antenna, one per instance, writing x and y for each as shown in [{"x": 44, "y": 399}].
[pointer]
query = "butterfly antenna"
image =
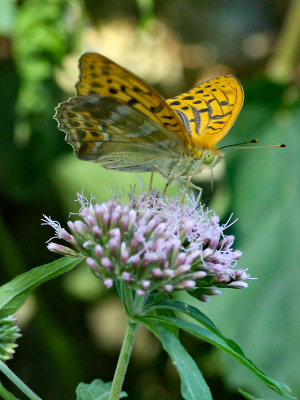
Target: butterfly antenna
[{"x": 237, "y": 145}]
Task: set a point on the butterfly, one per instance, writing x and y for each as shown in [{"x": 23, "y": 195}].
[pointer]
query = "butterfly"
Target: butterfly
[{"x": 124, "y": 124}]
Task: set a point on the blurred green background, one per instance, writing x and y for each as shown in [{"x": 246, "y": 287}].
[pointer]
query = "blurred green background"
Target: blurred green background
[{"x": 72, "y": 327}]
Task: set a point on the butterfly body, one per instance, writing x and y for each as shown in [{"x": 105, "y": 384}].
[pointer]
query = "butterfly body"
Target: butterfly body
[{"x": 122, "y": 123}]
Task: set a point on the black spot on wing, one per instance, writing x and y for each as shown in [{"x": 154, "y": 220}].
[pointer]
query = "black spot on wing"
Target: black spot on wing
[
  {"x": 156, "y": 109},
  {"x": 137, "y": 90},
  {"x": 74, "y": 124},
  {"x": 223, "y": 103},
  {"x": 81, "y": 134},
  {"x": 132, "y": 101},
  {"x": 221, "y": 116},
  {"x": 188, "y": 98}
]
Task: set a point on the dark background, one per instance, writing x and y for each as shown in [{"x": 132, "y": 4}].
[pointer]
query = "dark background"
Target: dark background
[{"x": 72, "y": 328}]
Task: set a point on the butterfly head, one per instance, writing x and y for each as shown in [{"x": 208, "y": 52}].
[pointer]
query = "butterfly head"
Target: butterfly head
[{"x": 210, "y": 158}]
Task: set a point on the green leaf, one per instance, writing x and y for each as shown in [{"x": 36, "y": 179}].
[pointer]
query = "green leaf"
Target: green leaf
[
  {"x": 249, "y": 396},
  {"x": 193, "y": 385},
  {"x": 14, "y": 293},
  {"x": 150, "y": 308},
  {"x": 185, "y": 308},
  {"x": 196, "y": 314},
  {"x": 227, "y": 345},
  {"x": 96, "y": 390}
]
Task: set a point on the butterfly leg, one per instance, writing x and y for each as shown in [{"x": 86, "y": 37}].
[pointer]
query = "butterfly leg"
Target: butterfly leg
[
  {"x": 187, "y": 185},
  {"x": 169, "y": 181},
  {"x": 167, "y": 176},
  {"x": 151, "y": 179},
  {"x": 193, "y": 186},
  {"x": 166, "y": 187}
]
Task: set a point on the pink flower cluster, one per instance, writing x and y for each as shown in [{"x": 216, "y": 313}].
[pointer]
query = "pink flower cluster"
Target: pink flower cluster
[{"x": 153, "y": 243}]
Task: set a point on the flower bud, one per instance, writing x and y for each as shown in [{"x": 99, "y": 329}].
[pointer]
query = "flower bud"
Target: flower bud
[
  {"x": 58, "y": 248},
  {"x": 199, "y": 275},
  {"x": 156, "y": 273},
  {"x": 188, "y": 284},
  {"x": 167, "y": 273},
  {"x": 91, "y": 221},
  {"x": 107, "y": 264},
  {"x": 97, "y": 231},
  {"x": 92, "y": 264},
  {"x": 145, "y": 284},
  {"x": 124, "y": 255},
  {"x": 80, "y": 227},
  {"x": 135, "y": 260},
  {"x": 237, "y": 285},
  {"x": 124, "y": 223},
  {"x": 108, "y": 282},
  {"x": 168, "y": 288},
  {"x": 182, "y": 269},
  {"x": 127, "y": 277},
  {"x": 99, "y": 251}
]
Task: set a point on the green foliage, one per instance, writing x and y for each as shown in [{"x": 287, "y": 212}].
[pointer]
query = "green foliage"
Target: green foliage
[
  {"x": 96, "y": 390},
  {"x": 212, "y": 335},
  {"x": 193, "y": 384},
  {"x": 249, "y": 396},
  {"x": 14, "y": 293}
]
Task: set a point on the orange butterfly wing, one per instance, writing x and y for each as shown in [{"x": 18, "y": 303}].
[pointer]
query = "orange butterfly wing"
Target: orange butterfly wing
[
  {"x": 100, "y": 75},
  {"x": 210, "y": 109}
]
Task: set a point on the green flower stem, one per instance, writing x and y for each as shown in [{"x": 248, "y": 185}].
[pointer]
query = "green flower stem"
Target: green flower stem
[
  {"x": 17, "y": 381},
  {"x": 133, "y": 306},
  {"x": 5, "y": 394},
  {"x": 123, "y": 361}
]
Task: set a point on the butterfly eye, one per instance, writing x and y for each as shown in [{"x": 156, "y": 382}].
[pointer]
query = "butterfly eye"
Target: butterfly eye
[{"x": 208, "y": 157}]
